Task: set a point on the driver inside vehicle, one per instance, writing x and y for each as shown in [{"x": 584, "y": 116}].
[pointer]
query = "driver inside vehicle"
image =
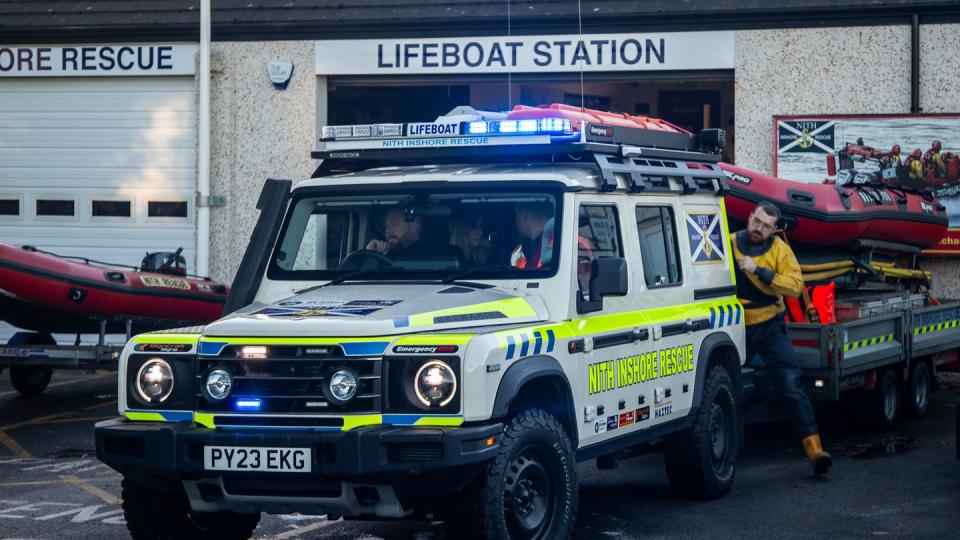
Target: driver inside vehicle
[{"x": 401, "y": 236}]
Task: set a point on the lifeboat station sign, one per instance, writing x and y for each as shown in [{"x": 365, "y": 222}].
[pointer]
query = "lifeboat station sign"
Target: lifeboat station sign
[
  {"x": 97, "y": 60},
  {"x": 530, "y": 54}
]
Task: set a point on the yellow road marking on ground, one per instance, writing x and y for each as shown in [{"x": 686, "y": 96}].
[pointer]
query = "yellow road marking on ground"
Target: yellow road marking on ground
[
  {"x": 64, "y": 383},
  {"x": 13, "y": 446},
  {"x": 49, "y": 417},
  {"x": 77, "y": 419},
  {"x": 104, "y": 495},
  {"x": 301, "y": 530},
  {"x": 56, "y": 481}
]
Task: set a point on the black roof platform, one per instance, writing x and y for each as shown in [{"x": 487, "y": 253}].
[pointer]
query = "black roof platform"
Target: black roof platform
[{"x": 645, "y": 160}]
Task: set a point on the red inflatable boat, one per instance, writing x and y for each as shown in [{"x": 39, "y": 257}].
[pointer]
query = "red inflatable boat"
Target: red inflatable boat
[
  {"x": 827, "y": 214},
  {"x": 43, "y": 292}
]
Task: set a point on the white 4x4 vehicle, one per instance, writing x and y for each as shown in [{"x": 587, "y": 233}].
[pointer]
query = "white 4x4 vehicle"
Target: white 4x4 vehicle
[{"x": 448, "y": 323}]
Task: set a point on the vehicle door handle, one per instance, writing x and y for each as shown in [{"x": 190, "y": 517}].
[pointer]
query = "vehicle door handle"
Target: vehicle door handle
[
  {"x": 621, "y": 338},
  {"x": 684, "y": 327}
]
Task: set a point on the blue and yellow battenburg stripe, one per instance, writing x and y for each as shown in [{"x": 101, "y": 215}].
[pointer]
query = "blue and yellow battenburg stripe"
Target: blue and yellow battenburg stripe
[
  {"x": 529, "y": 342},
  {"x": 869, "y": 342},
  {"x": 930, "y": 328},
  {"x": 725, "y": 315},
  {"x": 349, "y": 421}
]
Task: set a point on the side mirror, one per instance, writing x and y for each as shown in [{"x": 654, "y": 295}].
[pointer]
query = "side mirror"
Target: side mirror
[{"x": 608, "y": 277}]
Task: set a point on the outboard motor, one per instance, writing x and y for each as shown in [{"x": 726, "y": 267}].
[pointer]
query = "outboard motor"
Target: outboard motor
[{"x": 165, "y": 262}]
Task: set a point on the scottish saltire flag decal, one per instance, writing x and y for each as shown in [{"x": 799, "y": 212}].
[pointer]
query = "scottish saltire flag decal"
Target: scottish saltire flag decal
[{"x": 706, "y": 238}]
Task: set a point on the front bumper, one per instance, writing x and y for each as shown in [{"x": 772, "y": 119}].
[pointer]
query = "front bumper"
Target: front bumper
[{"x": 373, "y": 470}]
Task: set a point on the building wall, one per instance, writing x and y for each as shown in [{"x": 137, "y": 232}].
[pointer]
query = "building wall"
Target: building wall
[
  {"x": 940, "y": 93},
  {"x": 260, "y": 132},
  {"x": 256, "y": 132},
  {"x": 859, "y": 70},
  {"x": 815, "y": 71}
]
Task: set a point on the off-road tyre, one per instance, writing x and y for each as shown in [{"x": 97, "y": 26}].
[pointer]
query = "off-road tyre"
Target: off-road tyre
[
  {"x": 503, "y": 502},
  {"x": 701, "y": 461},
  {"x": 30, "y": 380},
  {"x": 916, "y": 398},
  {"x": 155, "y": 515}
]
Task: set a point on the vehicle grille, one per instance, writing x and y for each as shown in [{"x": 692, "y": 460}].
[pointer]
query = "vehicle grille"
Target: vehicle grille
[{"x": 291, "y": 380}]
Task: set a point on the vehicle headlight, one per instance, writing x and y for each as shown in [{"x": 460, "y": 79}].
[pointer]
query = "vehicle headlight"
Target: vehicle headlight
[
  {"x": 218, "y": 384},
  {"x": 435, "y": 384},
  {"x": 155, "y": 380},
  {"x": 343, "y": 386}
]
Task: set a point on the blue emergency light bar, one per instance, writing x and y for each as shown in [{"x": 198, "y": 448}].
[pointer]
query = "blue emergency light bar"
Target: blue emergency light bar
[
  {"x": 532, "y": 126},
  {"x": 553, "y": 126},
  {"x": 247, "y": 404}
]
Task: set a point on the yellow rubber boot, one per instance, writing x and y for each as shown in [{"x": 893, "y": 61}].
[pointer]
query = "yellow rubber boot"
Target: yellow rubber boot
[{"x": 820, "y": 460}]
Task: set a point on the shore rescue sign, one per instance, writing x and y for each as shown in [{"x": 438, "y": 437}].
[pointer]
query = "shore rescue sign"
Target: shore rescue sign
[
  {"x": 97, "y": 60},
  {"x": 705, "y": 238},
  {"x": 530, "y": 54},
  {"x": 812, "y": 136}
]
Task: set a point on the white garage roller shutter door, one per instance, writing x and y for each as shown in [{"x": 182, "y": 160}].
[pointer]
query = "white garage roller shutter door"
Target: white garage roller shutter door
[{"x": 116, "y": 155}]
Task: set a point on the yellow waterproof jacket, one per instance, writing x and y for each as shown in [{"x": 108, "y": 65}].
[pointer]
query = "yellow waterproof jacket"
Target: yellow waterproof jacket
[{"x": 777, "y": 274}]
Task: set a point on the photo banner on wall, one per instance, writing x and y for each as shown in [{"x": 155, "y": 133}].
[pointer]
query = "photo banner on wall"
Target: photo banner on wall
[{"x": 913, "y": 151}]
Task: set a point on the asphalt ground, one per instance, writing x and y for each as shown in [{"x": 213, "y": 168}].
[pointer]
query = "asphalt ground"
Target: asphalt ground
[{"x": 904, "y": 483}]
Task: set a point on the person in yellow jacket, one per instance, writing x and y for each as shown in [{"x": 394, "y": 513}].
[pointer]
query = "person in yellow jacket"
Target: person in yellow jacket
[{"x": 766, "y": 271}]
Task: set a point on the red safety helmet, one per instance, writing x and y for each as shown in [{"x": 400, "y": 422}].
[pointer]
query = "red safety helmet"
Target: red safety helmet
[
  {"x": 895, "y": 149},
  {"x": 935, "y": 145},
  {"x": 917, "y": 153}
]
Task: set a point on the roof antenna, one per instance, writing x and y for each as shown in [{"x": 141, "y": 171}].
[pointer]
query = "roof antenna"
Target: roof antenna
[
  {"x": 509, "y": 65},
  {"x": 580, "y": 37}
]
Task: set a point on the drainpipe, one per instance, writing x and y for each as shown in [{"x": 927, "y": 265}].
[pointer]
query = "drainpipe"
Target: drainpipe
[
  {"x": 915, "y": 65},
  {"x": 203, "y": 149}
]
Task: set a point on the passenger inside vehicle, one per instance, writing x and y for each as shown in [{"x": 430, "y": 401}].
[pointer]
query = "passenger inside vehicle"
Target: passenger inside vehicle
[{"x": 467, "y": 238}]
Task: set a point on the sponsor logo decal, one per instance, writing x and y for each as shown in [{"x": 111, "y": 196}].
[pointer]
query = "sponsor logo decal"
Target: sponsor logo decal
[
  {"x": 601, "y": 131},
  {"x": 643, "y": 413},
  {"x": 426, "y": 349},
  {"x": 612, "y": 423},
  {"x": 626, "y": 418},
  {"x": 738, "y": 177},
  {"x": 164, "y": 347}
]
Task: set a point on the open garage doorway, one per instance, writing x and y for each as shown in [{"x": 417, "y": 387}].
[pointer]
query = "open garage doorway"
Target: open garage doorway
[{"x": 692, "y": 100}]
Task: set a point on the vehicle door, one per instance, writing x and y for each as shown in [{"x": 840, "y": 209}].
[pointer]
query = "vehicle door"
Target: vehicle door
[
  {"x": 675, "y": 324},
  {"x": 612, "y": 362}
]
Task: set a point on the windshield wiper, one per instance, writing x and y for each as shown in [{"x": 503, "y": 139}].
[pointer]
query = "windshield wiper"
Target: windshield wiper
[
  {"x": 475, "y": 270},
  {"x": 352, "y": 275},
  {"x": 357, "y": 273}
]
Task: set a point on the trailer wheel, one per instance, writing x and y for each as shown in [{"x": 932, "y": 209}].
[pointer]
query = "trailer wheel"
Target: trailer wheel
[
  {"x": 882, "y": 405},
  {"x": 30, "y": 380},
  {"x": 917, "y": 397}
]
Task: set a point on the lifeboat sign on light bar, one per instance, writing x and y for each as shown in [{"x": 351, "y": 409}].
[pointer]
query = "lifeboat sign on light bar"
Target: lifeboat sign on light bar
[
  {"x": 432, "y": 129},
  {"x": 442, "y": 133}
]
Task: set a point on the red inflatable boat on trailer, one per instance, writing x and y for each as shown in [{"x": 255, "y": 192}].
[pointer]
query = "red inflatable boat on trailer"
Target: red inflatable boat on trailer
[
  {"x": 828, "y": 214},
  {"x": 47, "y": 293}
]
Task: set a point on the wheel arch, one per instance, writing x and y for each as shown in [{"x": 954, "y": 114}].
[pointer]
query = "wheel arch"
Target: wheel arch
[
  {"x": 717, "y": 349},
  {"x": 537, "y": 380}
]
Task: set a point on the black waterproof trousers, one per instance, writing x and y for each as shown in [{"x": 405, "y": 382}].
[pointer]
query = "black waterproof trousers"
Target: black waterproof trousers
[{"x": 769, "y": 340}]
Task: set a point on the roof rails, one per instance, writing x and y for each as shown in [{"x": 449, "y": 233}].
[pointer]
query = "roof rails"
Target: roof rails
[{"x": 620, "y": 144}]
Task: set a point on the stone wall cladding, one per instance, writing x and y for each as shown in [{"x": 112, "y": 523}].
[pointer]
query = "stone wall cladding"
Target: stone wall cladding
[
  {"x": 257, "y": 132},
  {"x": 815, "y": 71},
  {"x": 940, "y": 93}
]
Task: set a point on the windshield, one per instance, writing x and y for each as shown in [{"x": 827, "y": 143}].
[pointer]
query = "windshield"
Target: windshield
[{"x": 481, "y": 233}]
